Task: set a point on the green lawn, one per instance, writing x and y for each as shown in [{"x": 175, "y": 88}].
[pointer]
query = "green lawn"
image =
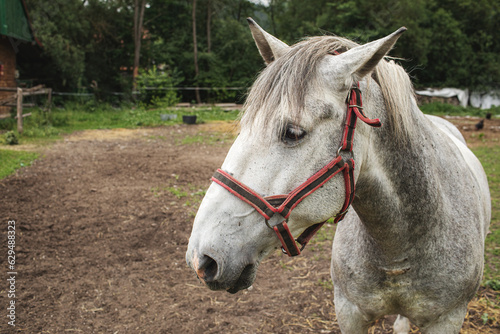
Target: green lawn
[
  {"x": 12, "y": 160},
  {"x": 442, "y": 109},
  {"x": 490, "y": 159},
  {"x": 49, "y": 126}
]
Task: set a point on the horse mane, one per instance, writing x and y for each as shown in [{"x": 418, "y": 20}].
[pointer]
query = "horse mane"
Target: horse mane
[{"x": 279, "y": 91}]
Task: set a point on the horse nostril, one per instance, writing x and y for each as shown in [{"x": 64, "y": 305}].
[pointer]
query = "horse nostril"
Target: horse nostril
[{"x": 207, "y": 269}]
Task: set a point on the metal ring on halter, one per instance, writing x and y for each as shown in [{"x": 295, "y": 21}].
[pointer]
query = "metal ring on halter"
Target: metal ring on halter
[
  {"x": 267, "y": 223},
  {"x": 271, "y": 227},
  {"x": 355, "y": 106},
  {"x": 338, "y": 151}
]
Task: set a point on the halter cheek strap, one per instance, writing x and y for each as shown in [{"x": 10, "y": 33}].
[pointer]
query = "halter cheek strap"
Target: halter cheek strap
[{"x": 284, "y": 204}]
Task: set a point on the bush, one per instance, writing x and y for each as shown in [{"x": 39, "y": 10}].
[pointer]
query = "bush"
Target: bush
[
  {"x": 156, "y": 87},
  {"x": 10, "y": 138}
]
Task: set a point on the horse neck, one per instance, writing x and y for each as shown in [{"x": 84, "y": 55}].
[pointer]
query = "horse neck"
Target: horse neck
[{"x": 396, "y": 182}]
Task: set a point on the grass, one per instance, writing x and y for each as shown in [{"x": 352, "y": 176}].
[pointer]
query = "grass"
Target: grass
[
  {"x": 325, "y": 284},
  {"x": 43, "y": 126},
  {"x": 490, "y": 159},
  {"x": 441, "y": 109},
  {"x": 13, "y": 160},
  {"x": 174, "y": 190},
  {"x": 189, "y": 193},
  {"x": 208, "y": 139}
]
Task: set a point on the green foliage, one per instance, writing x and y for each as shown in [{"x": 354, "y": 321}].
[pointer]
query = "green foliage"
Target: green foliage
[
  {"x": 156, "y": 88},
  {"x": 84, "y": 45},
  {"x": 485, "y": 318},
  {"x": 13, "y": 160},
  {"x": 10, "y": 138},
  {"x": 448, "y": 38},
  {"x": 325, "y": 284},
  {"x": 493, "y": 284},
  {"x": 60, "y": 29},
  {"x": 448, "y": 43},
  {"x": 88, "y": 46},
  {"x": 44, "y": 124},
  {"x": 177, "y": 192}
]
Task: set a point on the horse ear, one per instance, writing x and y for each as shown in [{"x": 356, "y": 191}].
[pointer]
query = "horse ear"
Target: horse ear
[
  {"x": 363, "y": 59},
  {"x": 270, "y": 47}
]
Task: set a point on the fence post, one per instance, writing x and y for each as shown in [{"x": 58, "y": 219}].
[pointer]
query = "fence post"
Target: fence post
[
  {"x": 19, "y": 110},
  {"x": 49, "y": 98}
]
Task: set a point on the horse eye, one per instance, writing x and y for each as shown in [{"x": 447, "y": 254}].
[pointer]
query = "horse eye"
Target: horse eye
[{"x": 293, "y": 134}]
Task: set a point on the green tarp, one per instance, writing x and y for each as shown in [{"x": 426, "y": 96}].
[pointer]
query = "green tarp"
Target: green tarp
[{"x": 14, "y": 20}]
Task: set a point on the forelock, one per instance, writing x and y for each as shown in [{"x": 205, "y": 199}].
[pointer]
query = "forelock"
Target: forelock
[{"x": 279, "y": 92}]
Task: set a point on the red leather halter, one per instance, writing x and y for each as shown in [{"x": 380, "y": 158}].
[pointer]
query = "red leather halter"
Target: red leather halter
[{"x": 284, "y": 204}]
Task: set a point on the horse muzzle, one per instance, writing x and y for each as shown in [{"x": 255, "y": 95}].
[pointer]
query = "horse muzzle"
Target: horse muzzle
[{"x": 217, "y": 275}]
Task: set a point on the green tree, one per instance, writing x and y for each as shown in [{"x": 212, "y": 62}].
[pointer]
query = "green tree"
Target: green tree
[
  {"x": 89, "y": 44},
  {"x": 448, "y": 53},
  {"x": 60, "y": 29},
  {"x": 85, "y": 43}
]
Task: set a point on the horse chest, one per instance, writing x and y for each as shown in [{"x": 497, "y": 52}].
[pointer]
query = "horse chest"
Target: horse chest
[
  {"x": 409, "y": 285},
  {"x": 394, "y": 292}
]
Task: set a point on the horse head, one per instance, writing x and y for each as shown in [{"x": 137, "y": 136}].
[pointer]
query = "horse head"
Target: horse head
[{"x": 293, "y": 126}]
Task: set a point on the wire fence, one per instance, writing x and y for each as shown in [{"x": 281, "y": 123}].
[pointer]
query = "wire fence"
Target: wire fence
[
  {"x": 185, "y": 94},
  {"x": 223, "y": 97},
  {"x": 209, "y": 95},
  {"x": 137, "y": 92}
]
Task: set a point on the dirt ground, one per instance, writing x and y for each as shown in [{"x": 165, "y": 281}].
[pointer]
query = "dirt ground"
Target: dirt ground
[{"x": 102, "y": 225}]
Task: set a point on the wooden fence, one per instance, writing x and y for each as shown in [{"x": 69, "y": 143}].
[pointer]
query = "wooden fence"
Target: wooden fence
[{"x": 16, "y": 100}]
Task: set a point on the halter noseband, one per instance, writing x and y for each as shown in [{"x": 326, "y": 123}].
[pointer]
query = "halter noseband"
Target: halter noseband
[{"x": 284, "y": 204}]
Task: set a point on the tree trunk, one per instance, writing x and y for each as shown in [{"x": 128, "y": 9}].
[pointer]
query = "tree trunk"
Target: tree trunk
[
  {"x": 195, "y": 45},
  {"x": 139, "y": 6},
  {"x": 271, "y": 6},
  {"x": 239, "y": 11},
  {"x": 209, "y": 24}
]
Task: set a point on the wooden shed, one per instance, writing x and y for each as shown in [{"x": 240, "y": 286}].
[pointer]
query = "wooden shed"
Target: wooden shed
[{"x": 15, "y": 29}]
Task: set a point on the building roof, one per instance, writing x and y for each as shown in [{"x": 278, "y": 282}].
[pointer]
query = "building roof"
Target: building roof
[{"x": 15, "y": 22}]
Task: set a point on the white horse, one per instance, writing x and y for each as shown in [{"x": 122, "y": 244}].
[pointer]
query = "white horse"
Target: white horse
[{"x": 413, "y": 243}]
